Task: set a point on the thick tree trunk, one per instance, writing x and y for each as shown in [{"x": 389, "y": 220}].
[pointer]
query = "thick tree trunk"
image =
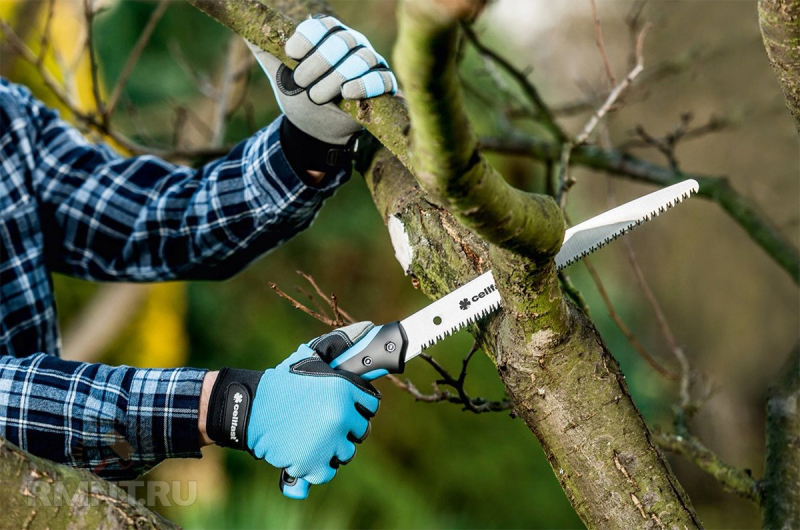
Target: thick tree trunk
[
  {"x": 564, "y": 383},
  {"x": 38, "y": 493},
  {"x": 780, "y": 29},
  {"x": 781, "y": 483}
]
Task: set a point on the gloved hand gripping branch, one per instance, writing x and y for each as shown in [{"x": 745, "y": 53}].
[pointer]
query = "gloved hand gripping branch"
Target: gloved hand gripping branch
[
  {"x": 334, "y": 62},
  {"x": 301, "y": 415}
]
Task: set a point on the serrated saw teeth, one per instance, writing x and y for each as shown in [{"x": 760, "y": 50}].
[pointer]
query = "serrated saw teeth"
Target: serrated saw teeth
[{"x": 578, "y": 242}]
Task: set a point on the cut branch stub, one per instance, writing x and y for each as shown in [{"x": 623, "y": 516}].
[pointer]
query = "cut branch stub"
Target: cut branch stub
[{"x": 445, "y": 152}]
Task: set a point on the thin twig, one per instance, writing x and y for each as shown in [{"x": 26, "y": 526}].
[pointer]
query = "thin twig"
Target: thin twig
[
  {"x": 564, "y": 179},
  {"x": 321, "y": 293},
  {"x": 573, "y": 292},
  {"x": 529, "y": 89},
  {"x": 337, "y": 314},
  {"x": 634, "y": 22},
  {"x": 305, "y": 309},
  {"x": 49, "y": 80},
  {"x": 89, "y": 13},
  {"x": 598, "y": 37},
  {"x": 622, "y": 326},
  {"x": 312, "y": 299},
  {"x": 44, "y": 43},
  {"x": 616, "y": 92},
  {"x": 135, "y": 54}
]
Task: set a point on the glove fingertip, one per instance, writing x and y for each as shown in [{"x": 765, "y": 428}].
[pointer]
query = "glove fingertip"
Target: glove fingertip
[
  {"x": 322, "y": 476},
  {"x": 298, "y": 46}
]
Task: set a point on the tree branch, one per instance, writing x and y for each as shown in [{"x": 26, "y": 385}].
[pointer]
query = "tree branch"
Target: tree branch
[
  {"x": 447, "y": 161},
  {"x": 731, "y": 478}
]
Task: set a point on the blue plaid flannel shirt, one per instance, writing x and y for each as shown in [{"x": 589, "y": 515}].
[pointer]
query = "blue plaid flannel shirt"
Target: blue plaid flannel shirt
[{"x": 77, "y": 208}]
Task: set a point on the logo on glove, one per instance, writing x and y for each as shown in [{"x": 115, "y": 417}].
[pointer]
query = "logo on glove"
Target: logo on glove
[{"x": 237, "y": 399}]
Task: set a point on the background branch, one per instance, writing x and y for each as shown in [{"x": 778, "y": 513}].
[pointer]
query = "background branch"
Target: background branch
[
  {"x": 730, "y": 478},
  {"x": 618, "y": 163}
]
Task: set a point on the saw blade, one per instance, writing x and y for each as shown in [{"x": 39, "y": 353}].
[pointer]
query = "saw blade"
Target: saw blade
[
  {"x": 588, "y": 236},
  {"x": 448, "y": 314},
  {"x": 479, "y": 297}
]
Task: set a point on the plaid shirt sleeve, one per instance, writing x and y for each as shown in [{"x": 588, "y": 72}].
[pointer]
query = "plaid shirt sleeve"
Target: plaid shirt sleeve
[
  {"x": 141, "y": 218},
  {"x": 118, "y": 422}
]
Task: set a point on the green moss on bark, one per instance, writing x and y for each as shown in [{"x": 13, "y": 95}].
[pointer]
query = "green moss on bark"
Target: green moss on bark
[
  {"x": 780, "y": 30},
  {"x": 37, "y": 493}
]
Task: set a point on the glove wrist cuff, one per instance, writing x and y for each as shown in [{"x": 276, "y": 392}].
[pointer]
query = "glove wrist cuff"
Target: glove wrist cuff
[
  {"x": 306, "y": 153},
  {"x": 230, "y": 405}
]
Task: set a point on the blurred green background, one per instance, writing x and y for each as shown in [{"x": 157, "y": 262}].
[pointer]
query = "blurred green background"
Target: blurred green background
[{"x": 431, "y": 465}]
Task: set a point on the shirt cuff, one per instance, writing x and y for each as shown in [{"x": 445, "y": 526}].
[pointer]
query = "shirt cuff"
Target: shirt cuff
[
  {"x": 274, "y": 176},
  {"x": 162, "y": 415}
]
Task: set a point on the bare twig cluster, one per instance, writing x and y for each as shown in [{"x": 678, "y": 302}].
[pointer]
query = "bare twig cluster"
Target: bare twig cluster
[
  {"x": 668, "y": 143},
  {"x": 99, "y": 119},
  {"x": 326, "y": 309},
  {"x": 693, "y": 389}
]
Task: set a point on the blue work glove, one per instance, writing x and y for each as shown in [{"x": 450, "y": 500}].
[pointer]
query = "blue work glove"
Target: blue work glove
[
  {"x": 301, "y": 415},
  {"x": 334, "y": 62}
]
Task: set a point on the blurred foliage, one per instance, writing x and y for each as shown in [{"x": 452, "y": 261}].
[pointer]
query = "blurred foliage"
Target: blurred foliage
[{"x": 434, "y": 466}]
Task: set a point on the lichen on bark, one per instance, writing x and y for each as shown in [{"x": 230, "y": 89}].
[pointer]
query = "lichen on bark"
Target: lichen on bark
[
  {"x": 38, "y": 493},
  {"x": 780, "y": 30}
]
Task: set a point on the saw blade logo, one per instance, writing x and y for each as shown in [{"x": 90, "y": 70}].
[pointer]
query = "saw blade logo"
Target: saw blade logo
[{"x": 464, "y": 304}]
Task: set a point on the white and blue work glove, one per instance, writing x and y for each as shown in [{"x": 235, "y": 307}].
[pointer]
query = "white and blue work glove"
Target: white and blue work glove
[
  {"x": 302, "y": 415},
  {"x": 334, "y": 62}
]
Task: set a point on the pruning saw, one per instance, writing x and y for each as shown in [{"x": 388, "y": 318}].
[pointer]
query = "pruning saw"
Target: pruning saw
[{"x": 387, "y": 348}]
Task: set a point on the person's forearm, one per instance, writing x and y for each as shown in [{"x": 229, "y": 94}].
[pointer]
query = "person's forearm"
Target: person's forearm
[
  {"x": 142, "y": 417},
  {"x": 202, "y": 417}
]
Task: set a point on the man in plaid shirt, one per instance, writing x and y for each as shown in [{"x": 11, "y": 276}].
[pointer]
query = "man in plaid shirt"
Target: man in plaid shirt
[{"x": 76, "y": 208}]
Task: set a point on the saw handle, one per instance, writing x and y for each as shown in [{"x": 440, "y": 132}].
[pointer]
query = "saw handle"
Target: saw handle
[{"x": 382, "y": 351}]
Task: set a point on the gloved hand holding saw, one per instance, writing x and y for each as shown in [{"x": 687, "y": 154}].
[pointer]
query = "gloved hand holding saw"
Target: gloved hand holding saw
[
  {"x": 334, "y": 62},
  {"x": 302, "y": 415}
]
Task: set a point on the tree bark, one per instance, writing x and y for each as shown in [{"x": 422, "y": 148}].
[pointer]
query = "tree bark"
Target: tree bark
[
  {"x": 781, "y": 483},
  {"x": 563, "y": 381},
  {"x": 38, "y": 493},
  {"x": 780, "y": 29}
]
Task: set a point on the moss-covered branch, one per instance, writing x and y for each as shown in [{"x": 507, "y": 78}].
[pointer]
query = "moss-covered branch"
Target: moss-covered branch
[
  {"x": 730, "y": 478},
  {"x": 38, "y": 493},
  {"x": 780, "y": 29},
  {"x": 446, "y": 159},
  {"x": 781, "y": 483},
  {"x": 718, "y": 189}
]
